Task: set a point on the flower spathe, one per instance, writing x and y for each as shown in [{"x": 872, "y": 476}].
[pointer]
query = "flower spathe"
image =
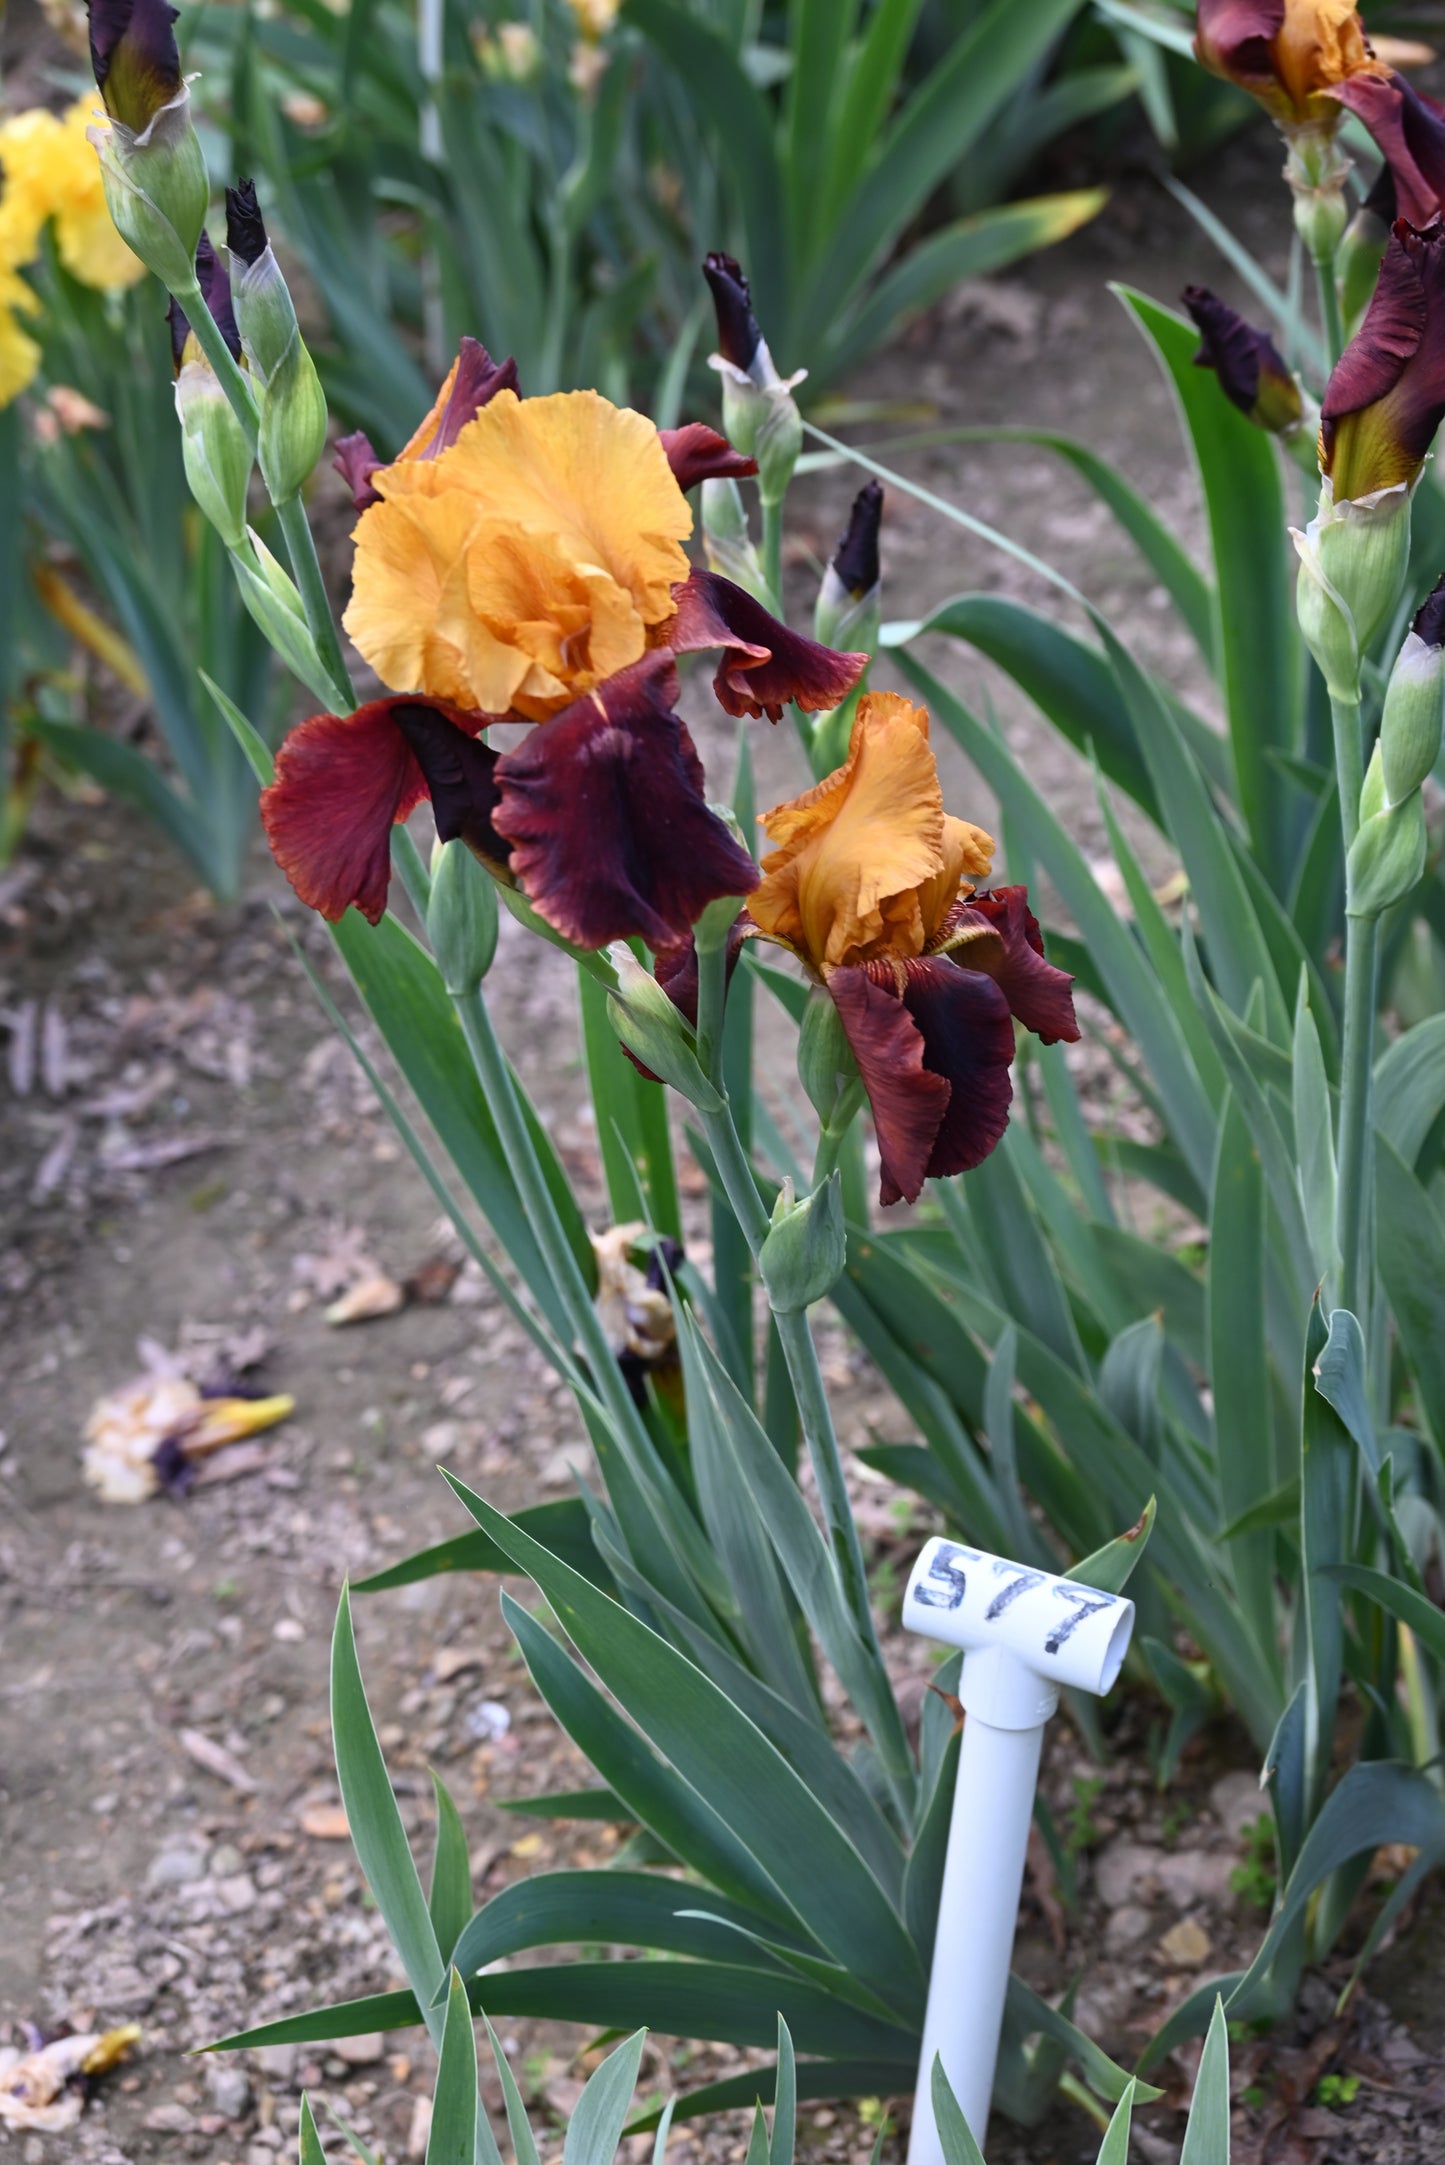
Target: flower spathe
[{"x": 870, "y": 884}]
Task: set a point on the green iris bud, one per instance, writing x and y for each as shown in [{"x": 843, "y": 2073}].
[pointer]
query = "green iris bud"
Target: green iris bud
[
  {"x": 461, "y": 918},
  {"x": 806, "y": 1247},
  {"x": 1410, "y": 725},
  {"x": 274, "y": 604},
  {"x": 827, "y": 1069},
  {"x": 215, "y": 451},
  {"x": 654, "y": 1032},
  {"x": 293, "y": 404},
  {"x": 1353, "y": 557},
  {"x": 1386, "y": 857},
  {"x": 760, "y": 415},
  {"x": 849, "y": 600},
  {"x": 726, "y": 541},
  {"x": 156, "y": 190}
]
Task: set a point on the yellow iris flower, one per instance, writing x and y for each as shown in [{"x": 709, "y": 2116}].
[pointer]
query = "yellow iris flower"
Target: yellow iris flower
[{"x": 50, "y": 173}]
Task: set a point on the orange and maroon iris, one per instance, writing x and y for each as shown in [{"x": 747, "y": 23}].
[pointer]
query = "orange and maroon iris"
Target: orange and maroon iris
[
  {"x": 522, "y": 561},
  {"x": 1386, "y": 396},
  {"x": 871, "y": 886},
  {"x": 1290, "y": 54}
]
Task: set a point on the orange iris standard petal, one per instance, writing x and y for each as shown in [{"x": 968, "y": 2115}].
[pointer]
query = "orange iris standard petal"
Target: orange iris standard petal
[
  {"x": 856, "y": 854},
  {"x": 592, "y": 475},
  {"x": 408, "y": 613}
]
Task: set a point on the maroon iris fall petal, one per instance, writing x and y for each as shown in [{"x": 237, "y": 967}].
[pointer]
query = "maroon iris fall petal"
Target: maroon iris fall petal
[
  {"x": 764, "y": 665},
  {"x": 342, "y": 782},
  {"x": 1386, "y": 397},
  {"x": 474, "y": 381},
  {"x": 604, "y": 807},
  {"x": 696, "y": 453},
  {"x": 1039, "y": 994},
  {"x": 1410, "y": 130},
  {"x": 356, "y": 461},
  {"x": 460, "y": 775},
  {"x": 133, "y": 53},
  {"x": 934, "y": 1062}
]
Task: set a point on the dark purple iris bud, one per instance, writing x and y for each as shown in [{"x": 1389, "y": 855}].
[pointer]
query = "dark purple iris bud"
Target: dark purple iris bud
[
  {"x": 245, "y": 227},
  {"x": 216, "y": 292},
  {"x": 215, "y": 288},
  {"x": 1252, "y": 373},
  {"x": 738, "y": 336},
  {"x": 133, "y": 52},
  {"x": 1429, "y": 624},
  {"x": 856, "y": 557}
]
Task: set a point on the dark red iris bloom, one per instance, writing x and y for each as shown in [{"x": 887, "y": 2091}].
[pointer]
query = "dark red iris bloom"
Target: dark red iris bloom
[
  {"x": 1410, "y": 130},
  {"x": 599, "y": 816},
  {"x": 1386, "y": 397},
  {"x": 1252, "y": 373}
]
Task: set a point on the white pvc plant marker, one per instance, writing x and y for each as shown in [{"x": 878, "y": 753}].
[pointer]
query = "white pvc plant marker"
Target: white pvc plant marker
[{"x": 1024, "y": 1633}]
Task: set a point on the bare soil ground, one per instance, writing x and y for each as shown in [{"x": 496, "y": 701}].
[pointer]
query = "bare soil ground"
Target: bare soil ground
[{"x": 187, "y": 1156}]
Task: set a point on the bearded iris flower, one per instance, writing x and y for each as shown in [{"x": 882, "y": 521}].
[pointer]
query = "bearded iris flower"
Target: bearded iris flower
[
  {"x": 1386, "y": 397},
  {"x": 1381, "y": 409},
  {"x": 1291, "y": 55},
  {"x": 523, "y": 561},
  {"x": 870, "y": 885}
]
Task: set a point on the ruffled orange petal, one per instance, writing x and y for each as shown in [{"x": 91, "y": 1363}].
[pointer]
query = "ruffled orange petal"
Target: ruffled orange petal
[
  {"x": 967, "y": 855},
  {"x": 558, "y": 628},
  {"x": 592, "y": 475},
  {"x": 408, "y": 613},
  {"x": 853, "y": 852}
]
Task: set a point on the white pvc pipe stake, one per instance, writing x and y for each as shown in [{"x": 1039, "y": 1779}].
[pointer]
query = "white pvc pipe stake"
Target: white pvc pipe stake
[{"x": 1024, "y": 1633}]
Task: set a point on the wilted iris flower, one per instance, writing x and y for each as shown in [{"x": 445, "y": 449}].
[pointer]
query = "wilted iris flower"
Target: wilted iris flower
[
  {"x": 870, "y": 884},
  {"x": 524, "y": 561}
]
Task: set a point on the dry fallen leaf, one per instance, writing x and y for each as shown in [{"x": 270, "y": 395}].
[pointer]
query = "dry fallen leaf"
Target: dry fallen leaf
[
  {"x": 217, "y": 1760},
  {"x": 367, "y": 1299},
  {"x": 326, "y": 1822},
  {"x": 1186, "y": 1943}
]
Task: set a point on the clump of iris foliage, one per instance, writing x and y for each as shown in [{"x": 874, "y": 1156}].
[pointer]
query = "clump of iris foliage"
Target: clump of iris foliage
[{"x": 1266, "y": 1421}]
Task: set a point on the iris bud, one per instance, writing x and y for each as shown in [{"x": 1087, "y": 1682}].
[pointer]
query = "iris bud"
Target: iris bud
[
  {"x": 726, "y": 542},
  {"x": 760, "y": 415},
  {"x": 827, "y": 1069},
  {"x": 847, "y": 609},
  {"x": 654, "y": 1032},
  {"x": 1362, "y": 249},
  {"x": 461, "y": 918},
  {"x": 274, "y": 604},
  {"x": 1353, "y": 557},
  {"x": 1410, "y": 725},
  {"x": 293, "y": 404},
  {"x": 215, "y": 451},
  {"x": 806, "y": 1247},
  {"x": 1387, "y": 855},
  {"x": 152, "y": 168}
]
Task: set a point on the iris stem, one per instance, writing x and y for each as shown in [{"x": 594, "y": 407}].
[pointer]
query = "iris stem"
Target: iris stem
[
  {"x": 1354, "y": 1219},
  {"x": 1330, "y": 321},
  {"x": 415, "y": 877},
  {"x": 801, "y": 1355},
  {"x": 773, "y": 555},
  {"x": 301, "y": 548},
  {"x": 1354, "y": 1184}
]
